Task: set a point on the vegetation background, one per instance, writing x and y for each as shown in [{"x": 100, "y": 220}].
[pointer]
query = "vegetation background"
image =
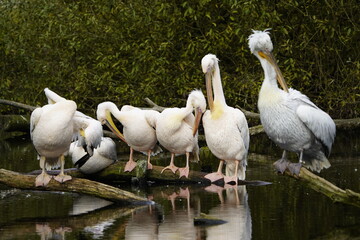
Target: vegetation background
[{"x": 123, "y": 51}]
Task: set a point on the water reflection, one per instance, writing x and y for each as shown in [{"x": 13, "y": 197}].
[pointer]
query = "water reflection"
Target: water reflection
[
  {"x": 234, "y": 209},
  {"x": 286, "y": 209}
]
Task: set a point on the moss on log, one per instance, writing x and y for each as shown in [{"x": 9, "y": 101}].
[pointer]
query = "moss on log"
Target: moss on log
[
  {"x": 325, "y": 187},
  {"x": 77, "y": 185}
]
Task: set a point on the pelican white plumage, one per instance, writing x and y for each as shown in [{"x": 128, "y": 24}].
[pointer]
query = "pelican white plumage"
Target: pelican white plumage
[
  {"x": 138, "y": 127},
  {"x": 103, "y": 156},
  {"x": 176, "y": 130},
  {"x": 289, "y": 118},
  {"x": 51, "y": 130},
  {"x": 226, "y": 128},
  {"x": 87, "y": 131}
]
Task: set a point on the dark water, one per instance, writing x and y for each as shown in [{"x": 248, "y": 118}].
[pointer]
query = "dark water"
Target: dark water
[{"x": 285, "y": 209}]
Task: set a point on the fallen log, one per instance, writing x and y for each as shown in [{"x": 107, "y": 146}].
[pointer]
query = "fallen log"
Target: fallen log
[
  {"x": 115, "y": 173},
  {"x": 77, "y": 185},
  {"x": 325, "y": 187}
]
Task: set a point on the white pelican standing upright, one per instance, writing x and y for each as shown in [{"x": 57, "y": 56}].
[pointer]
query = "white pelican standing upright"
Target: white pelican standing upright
[
  {"x": 289, "y": 118},
  {"x": 226, "y": 128},
  {"x": 176, "y": 130},
  {"x": 139, "y": 129}
]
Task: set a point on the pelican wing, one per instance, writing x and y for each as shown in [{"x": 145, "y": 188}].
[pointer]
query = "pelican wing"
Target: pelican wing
[
  {"x": 92, "y": 131},
  {"x": 242, "y": 125},
  {"x": 319, "y": 122},
  {"x": 34, "y": 119},
  {"x": 108, "y": 148}
]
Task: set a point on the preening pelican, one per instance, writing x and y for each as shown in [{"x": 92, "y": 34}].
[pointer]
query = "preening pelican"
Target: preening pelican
[
  {"x": 87, "y": 131},
  {"x": 226, "y": 128},
  {"x": 51, "y": 130},
  {"x": 103, "y": 156},
  {"x": 176, "y": 130},
  {"x": 138, "y": 127},
  {"x": 289, "y": 118}
]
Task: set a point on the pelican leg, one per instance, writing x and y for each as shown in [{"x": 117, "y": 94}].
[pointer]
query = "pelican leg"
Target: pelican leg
[
  {"x": 62, "y": 177},
  {"x": 185, "y": 171},
  {"x": 216, "y": 175},
  {"x": 172, "y": 166},
  {"x": 228, "y": 179},
  {"x": 44, "y": 178},
  {"x": 294, "y": 168},
  {"x": 149, "y": 165},
  {"x": 282, "y": 164},
  {"x": 131, "y": 164}
]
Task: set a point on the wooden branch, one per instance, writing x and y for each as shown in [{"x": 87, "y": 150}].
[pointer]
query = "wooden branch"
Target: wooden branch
[
  {"x": 16, "y": 104},
  {"x": 154, "y": 105},
  {"x": 115, "y": 173},
  {"x": 327, "y": 188},
  {"x": 249, "y": 114},
  {"x": 78, "y": 185}
]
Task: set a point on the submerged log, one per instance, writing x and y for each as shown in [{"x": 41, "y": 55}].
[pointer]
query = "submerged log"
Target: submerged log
[
  {"x": 325, "y": 187},
  {"x": 77, "y": 185}
]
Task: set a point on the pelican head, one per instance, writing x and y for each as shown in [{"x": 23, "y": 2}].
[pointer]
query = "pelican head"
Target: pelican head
[
  {"x": 261, "y": 46},
  {"x": 208, "y": 64},
  {"x": 197, "y": 100},
  {"x": 103, "y": 114}
]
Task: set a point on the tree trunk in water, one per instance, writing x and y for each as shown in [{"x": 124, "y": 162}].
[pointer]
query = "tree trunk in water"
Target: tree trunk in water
[{"x": 77, "y": 185}]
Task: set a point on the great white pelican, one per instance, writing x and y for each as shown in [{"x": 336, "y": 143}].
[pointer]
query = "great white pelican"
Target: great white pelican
[
  {"x": 176, "y": 130},
  {"x": 226, "y": 128}
]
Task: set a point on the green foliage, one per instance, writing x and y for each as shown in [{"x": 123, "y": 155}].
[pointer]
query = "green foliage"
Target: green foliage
[{"x": 124, "y": 51}]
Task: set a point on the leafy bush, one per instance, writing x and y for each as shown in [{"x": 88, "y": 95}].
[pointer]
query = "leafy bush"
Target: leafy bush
[{"x": 124, "y": 51}]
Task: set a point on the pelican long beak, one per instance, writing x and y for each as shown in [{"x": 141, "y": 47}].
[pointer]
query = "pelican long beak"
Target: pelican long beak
[
  {"x": 110, "y": 123},
  {"x": 271, "y": 59},
  {"x": 209, "y": 92},
  {"x": 198, "y": 114}
]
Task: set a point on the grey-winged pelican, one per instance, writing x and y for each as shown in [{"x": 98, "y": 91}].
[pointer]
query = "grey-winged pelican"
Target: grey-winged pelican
[
  {"x": 176, "y": 130},
  {"x": 226, "y": 128},
  {"x": 289, "y": 118},
  {"x": 138, "y": 127}
]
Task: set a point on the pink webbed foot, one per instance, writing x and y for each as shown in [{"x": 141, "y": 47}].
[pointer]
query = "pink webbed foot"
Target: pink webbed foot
[
  {"x": 62, "y": 178},
  {"x": 42, "y": 180},
  {"x": 129, "y": 166},
  {"x": 213, "y": 177},
  {"x": 184, "y": 172},
  {"x": 173, "y": 168}
]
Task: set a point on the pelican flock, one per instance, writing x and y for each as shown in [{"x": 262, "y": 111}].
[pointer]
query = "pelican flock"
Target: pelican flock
[
  {"x": 138, "y": 127},
  {"x": 289, "y": 118},
  {"x": 176, "y": 130},
  {"x": 226, "y": 128}
]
